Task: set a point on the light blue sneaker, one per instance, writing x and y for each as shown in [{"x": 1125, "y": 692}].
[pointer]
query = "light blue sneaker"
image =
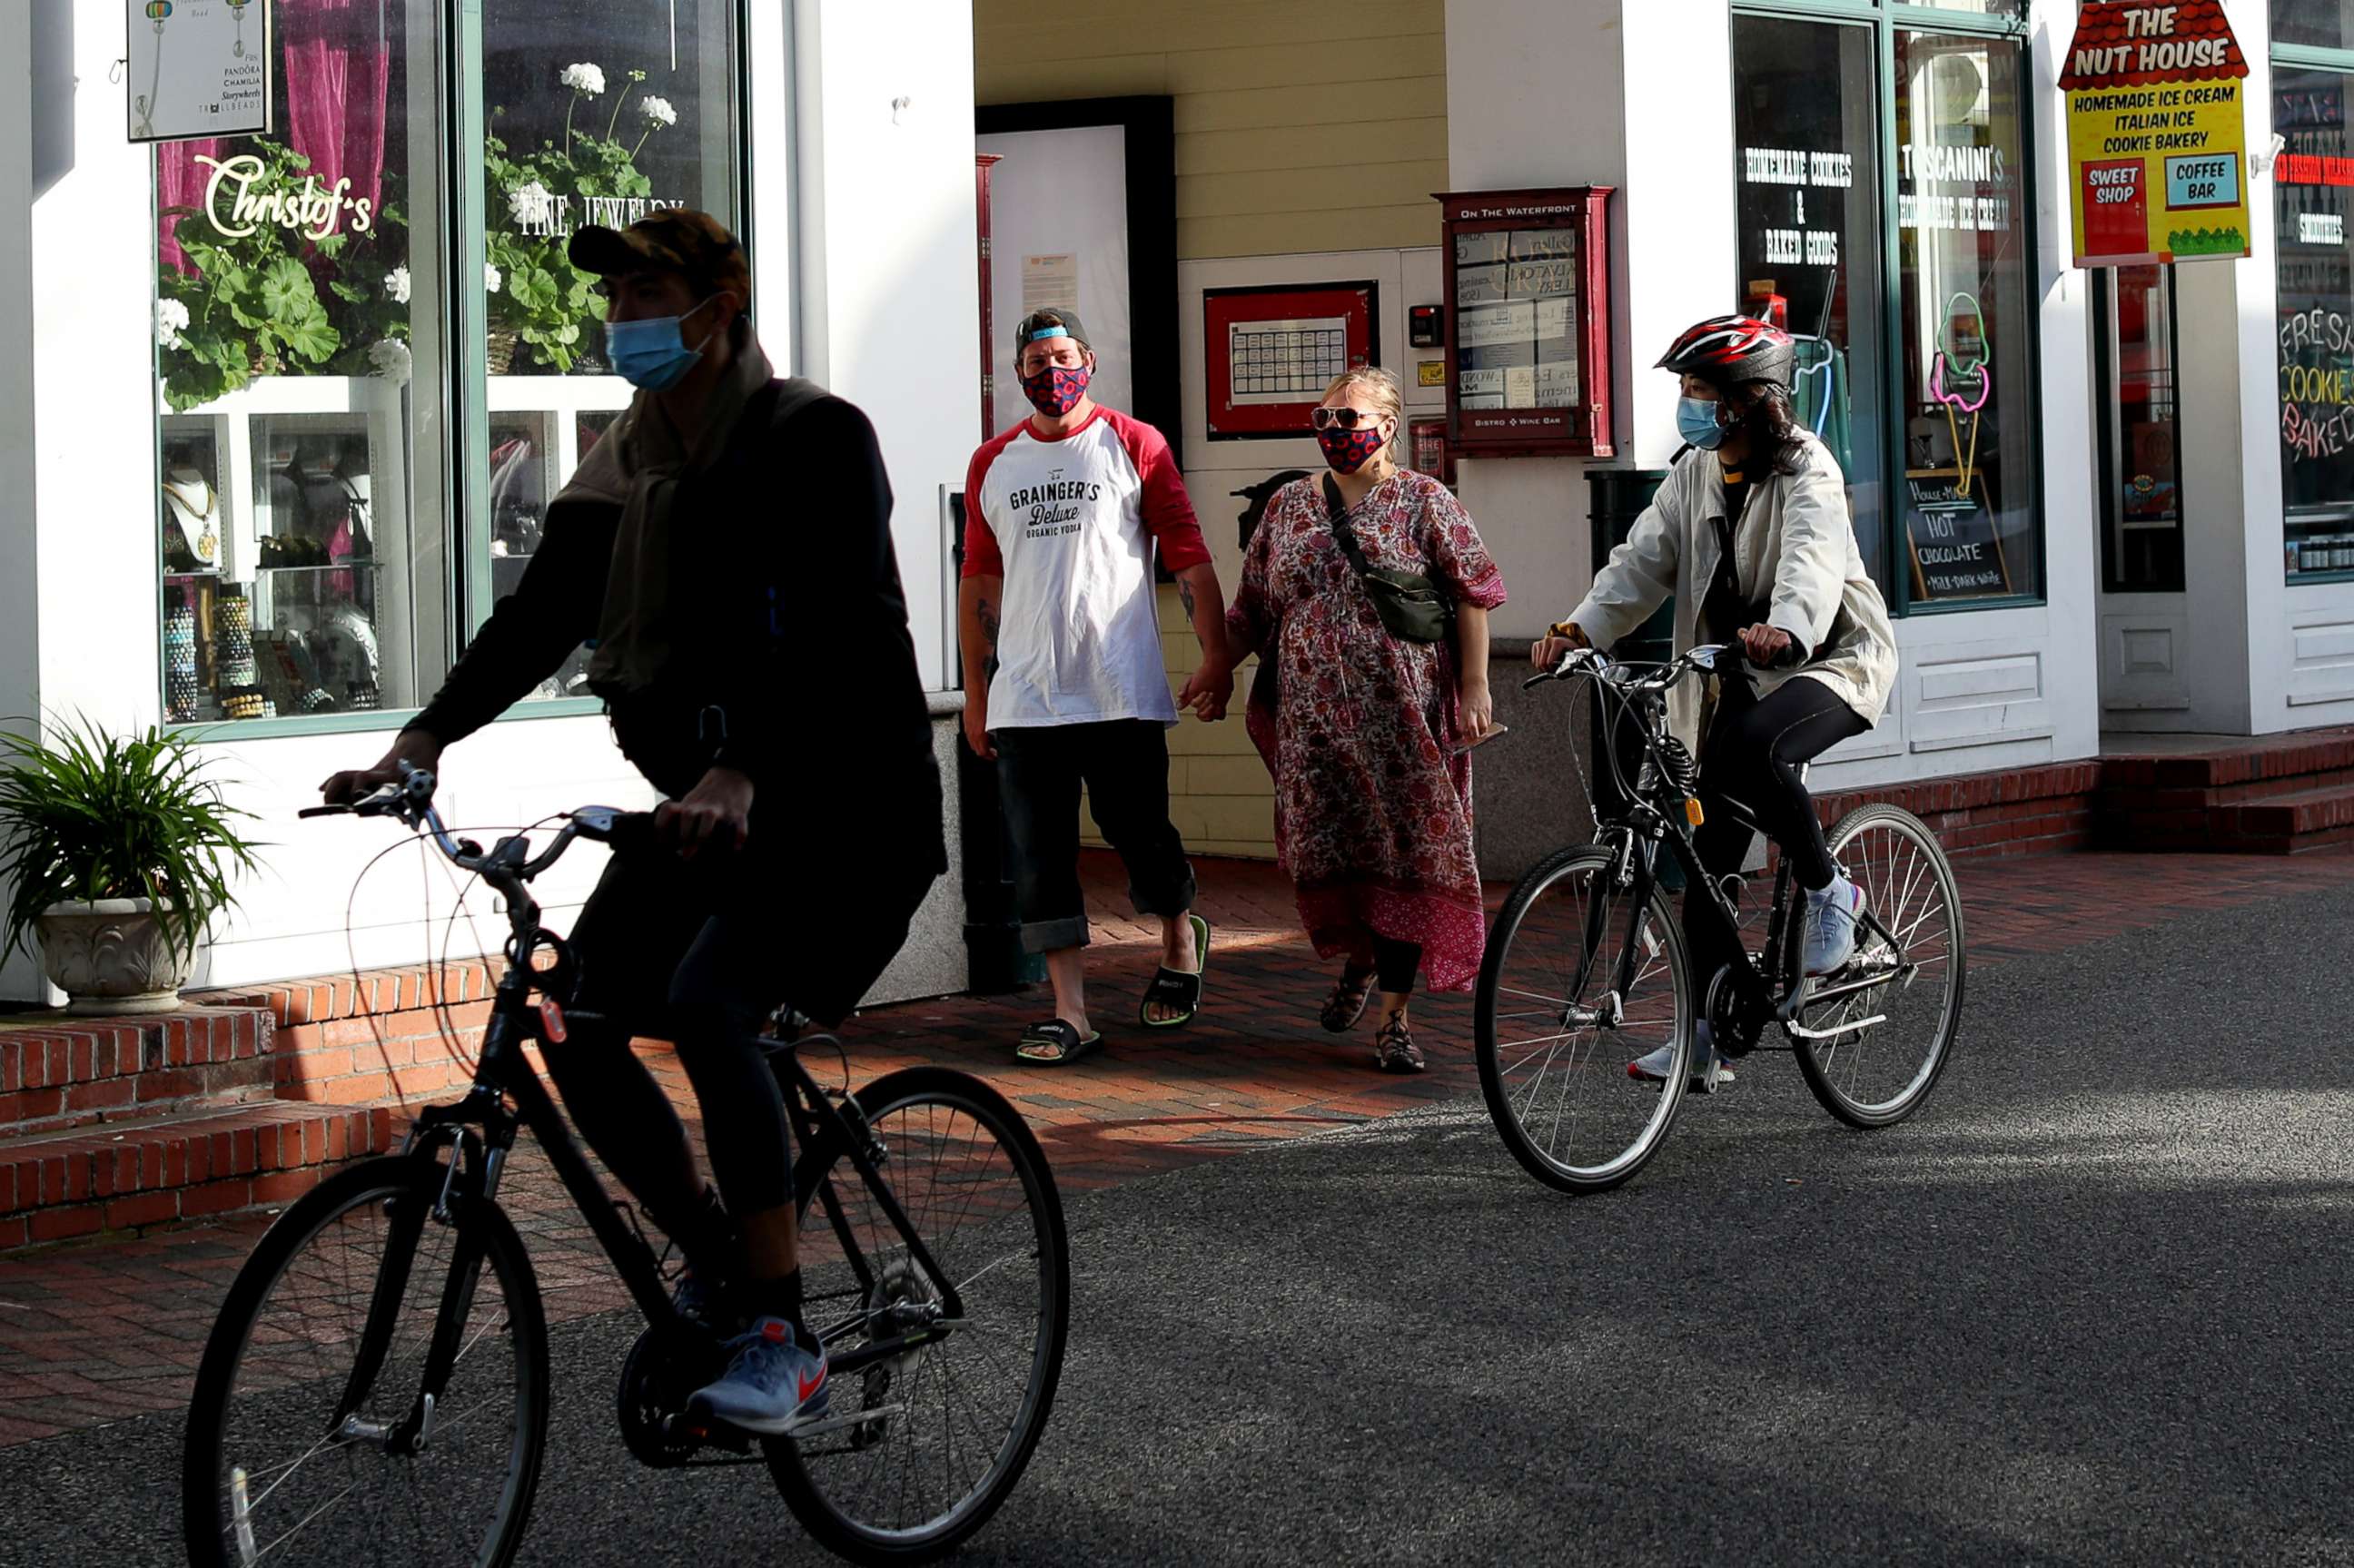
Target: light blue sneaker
[
  {"x": 773, "y": 1386},
  {"x": 1831, "y": 916}
]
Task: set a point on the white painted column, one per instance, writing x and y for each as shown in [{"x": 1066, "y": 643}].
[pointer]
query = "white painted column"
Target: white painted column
[
  {"x": 887, "y": 247},
  {"x": 1638, "y": 97}
]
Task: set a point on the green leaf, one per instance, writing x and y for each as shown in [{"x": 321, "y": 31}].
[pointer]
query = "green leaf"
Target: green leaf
[
  {"x": 350, "y": 292},
  {"x": 286, "y": 288},
  {"x": 311, "y": 336}
]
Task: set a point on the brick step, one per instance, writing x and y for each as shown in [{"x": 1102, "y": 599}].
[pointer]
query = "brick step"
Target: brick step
[
  {"x": 57, "y": 1072},
  {"x": 2155, "y": 801},
  {"x": 369, "y": 1057},
  {"x": 54, "y": 1186},
  {"x": 2235, "y": 762},
  {"x": 2310, "y": 814}
]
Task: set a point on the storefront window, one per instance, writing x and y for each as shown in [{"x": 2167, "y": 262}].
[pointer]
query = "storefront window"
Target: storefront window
[
  {"x": 2315, "y": 282},
  {"x": 297, "y": 283},
  {"x": 596, "y": 116},
  {"x": 1807, "y": 135},
  {"x": 309, "y": 566},
  {"x": 1964, "y": 253},
  {"x": 2320, "y": 24},
  {"x": 2141, "y": 494}
]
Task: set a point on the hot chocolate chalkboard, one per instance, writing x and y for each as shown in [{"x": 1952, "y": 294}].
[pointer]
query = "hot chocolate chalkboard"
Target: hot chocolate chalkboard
[{"x": 1955, "y": 551}]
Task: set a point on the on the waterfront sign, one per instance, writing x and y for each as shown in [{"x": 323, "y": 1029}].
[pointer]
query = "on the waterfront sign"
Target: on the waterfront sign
[
  {"x": 197, "y": 68},
  {"x": 2158, "y": 136}
]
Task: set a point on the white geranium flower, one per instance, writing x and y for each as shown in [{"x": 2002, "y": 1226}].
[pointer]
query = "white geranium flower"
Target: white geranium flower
[
  {"x": 491, "y": 279},
  {"x": 585, "y": 78},
  {"x": 658, "y": 110},
  {"x": 531, "y": 205},
  {"x": 390, "y": 358},
  {"x": 396, "y": 284},
  {"x": 171, "y": 315}
]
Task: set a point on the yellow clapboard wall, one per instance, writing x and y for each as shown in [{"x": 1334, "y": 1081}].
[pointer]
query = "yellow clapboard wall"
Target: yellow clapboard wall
[{"x": 1300, "y": 126}]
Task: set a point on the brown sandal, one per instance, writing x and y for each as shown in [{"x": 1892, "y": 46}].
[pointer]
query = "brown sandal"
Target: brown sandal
[
  {"x": 1394, "y": 1050},
  {"x": 1347, "y": 1003}
]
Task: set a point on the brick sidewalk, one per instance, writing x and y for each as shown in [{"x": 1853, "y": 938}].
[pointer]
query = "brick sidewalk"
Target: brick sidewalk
[{"x": 85, "y": 1331}]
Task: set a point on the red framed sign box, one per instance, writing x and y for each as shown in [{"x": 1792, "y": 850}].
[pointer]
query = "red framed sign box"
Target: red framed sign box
[
  {"x": 1271, "y": 351},
  {"x": 1528, "y": 322}
]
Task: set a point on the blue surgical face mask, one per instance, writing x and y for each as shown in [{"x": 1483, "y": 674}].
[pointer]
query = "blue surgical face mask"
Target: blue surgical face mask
[
  {"x": 1696, "y": 423},
  {"x": 651, "y": 354}
]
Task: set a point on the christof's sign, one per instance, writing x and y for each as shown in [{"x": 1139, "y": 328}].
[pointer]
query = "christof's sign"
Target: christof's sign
[{"x": 238, "y": 203}]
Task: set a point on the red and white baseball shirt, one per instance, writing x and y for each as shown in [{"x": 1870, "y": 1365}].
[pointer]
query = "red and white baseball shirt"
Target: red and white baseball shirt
[{"x": 1070, "y": 525}]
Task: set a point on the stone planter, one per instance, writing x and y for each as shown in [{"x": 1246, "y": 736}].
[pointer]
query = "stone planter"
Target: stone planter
[{"x": 113, "y": 957}]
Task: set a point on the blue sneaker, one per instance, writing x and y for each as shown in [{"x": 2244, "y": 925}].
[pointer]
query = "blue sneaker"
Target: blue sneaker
[
  {"x": 1831, "y": 915},
  {"x": 771, "y": 1387}
]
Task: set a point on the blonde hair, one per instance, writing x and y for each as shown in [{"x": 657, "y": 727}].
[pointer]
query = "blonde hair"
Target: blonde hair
[{"x": 1386, "y": 392}]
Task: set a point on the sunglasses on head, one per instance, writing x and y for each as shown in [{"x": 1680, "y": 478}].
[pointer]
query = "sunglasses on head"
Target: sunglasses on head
[{"x": 1341, "y": 419}]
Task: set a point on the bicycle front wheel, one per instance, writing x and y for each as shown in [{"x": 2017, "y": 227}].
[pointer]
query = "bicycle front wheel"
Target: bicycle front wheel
[
  {"x": 1883, "y": 1046},
  {"x": 1553, "y": 1036},
  {"x": 375, "y": 1390},
  {"x": 918, "y": 1448}
]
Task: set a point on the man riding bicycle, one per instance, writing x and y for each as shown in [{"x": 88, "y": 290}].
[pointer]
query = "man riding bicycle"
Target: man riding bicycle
[
  {"x": 724, "y": 552},
  {"x": 1751, "y": 536}
]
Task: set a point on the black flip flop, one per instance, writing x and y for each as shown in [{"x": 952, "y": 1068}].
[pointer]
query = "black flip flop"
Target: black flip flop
[
  {"x": 1058, "y": 1036},
  {"x": 1175, "y": 988}
]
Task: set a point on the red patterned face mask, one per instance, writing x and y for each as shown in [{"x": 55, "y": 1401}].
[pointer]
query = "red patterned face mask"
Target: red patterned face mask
[
  {"x": 1349, "y": 451},
  {"x": 1055, "y": 391}
]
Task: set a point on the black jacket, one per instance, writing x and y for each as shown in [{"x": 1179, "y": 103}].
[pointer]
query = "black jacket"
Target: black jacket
[{"x": 793, "y": 663}]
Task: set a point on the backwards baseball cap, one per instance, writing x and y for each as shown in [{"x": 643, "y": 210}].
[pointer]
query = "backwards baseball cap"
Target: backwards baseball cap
[
  {"x": 674, "y": 240},
  {"x": 1048, "y": 323}
]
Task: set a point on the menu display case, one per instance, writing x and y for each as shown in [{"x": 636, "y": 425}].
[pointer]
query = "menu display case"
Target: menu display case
[{"x": 1528, "y": 328}]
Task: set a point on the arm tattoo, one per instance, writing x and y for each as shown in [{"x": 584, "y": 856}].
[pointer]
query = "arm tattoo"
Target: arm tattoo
[
  {"x": 1185, "y": 597},
  {"x": 989, "y": 622}
]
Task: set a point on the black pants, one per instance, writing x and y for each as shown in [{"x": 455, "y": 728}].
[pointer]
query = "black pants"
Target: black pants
[
  {"x": 701, "y": 952},
  {"x": 1125, "y": 766},
  {"x": 1753, "y": 754},
  {"x": 1394, "y": 964}
]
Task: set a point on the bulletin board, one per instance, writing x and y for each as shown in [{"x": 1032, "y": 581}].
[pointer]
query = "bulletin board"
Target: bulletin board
[{"x": 1270, "y": 352}]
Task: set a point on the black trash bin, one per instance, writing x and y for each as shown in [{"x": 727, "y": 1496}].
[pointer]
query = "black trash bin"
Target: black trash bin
[{"x": 1619, "y": 497}]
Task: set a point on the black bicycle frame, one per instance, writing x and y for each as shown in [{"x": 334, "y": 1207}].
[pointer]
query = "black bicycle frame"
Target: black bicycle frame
[{"x": 479, "y": 1133}]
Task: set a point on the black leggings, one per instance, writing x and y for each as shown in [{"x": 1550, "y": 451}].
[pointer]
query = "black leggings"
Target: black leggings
[
  {"x": 1754, "y": 750},
  {"x": 1394, "y": 965},
  {"x": 702, "y": 951}
]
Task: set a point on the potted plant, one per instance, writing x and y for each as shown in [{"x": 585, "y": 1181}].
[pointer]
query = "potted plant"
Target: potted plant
[
  {"x": 540, "y": 303},
  {"x": 117, "y": 851}
]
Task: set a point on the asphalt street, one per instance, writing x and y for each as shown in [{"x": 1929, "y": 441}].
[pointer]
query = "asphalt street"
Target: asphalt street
[{"x": 2090, "y": 1306}]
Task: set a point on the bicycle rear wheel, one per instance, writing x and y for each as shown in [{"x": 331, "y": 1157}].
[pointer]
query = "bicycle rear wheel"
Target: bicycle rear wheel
[
  {"x": 309, "y": 1438},
  {"x": 1553, "y": 1053},
  {"x": 918, "y": 1450},
  {"x": 1875, "y": 1073}
]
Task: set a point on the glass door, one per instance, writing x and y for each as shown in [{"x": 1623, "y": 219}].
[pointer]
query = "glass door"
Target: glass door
[{"x": 2141, "y": 495}]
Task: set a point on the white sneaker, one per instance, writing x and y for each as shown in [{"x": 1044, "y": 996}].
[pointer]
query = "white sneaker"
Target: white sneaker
[
  {"x": 1830, "y": 932},
  {"x": 1653, "y": 1068}
]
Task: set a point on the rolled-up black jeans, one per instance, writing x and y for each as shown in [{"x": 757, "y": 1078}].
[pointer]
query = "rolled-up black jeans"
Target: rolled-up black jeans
[{"x": 1124, "y": 766}]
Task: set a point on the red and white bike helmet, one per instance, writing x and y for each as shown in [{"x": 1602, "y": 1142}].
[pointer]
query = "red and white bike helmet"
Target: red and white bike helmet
[{"x": 1731, "y": 350}]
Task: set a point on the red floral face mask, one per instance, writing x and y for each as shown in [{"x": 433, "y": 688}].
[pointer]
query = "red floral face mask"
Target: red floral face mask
[
  {"x": 1055, "y": 391},
  {"x": 1349, "y": 451}
]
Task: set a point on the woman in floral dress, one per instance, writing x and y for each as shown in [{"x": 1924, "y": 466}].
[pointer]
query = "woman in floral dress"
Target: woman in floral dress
[{"x": 1367, "y": 734}]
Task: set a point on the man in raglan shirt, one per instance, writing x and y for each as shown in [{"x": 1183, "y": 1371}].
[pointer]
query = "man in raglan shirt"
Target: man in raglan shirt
[{"x": 1062, "y": 515}]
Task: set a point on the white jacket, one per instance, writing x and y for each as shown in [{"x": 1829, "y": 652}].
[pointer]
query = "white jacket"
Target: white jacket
[{"x": 1797, "y": 541}]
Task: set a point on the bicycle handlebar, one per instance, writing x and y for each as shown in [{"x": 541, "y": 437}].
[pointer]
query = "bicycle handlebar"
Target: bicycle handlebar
[
  {"x": 505, "y": 864},
  {"x": 1704, "y": 656}
]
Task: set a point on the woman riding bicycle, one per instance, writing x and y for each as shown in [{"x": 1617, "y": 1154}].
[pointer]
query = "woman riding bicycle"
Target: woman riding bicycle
[{"x": 1753, "y": 538}]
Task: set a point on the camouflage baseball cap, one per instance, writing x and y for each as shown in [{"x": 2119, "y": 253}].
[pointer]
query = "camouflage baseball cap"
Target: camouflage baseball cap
[{"x": 674, "y": 240}]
